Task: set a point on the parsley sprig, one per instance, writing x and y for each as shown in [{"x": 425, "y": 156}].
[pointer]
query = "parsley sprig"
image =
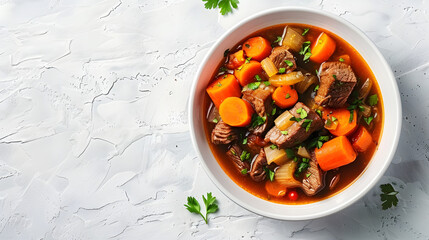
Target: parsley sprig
[
  {"x": 225, "y": 6},
  {"x": 193, "y": 205},
  {"x": 388, "y": 197}
]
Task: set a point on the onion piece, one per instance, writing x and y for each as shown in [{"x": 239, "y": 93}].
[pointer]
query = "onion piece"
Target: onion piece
[
  {"x": 286, "y": 79},
  {"x": 269, "y": 67},
  {"x": 213, "y": 115},
  {"x": 275, "y": 155},
  {"x": 309, "y": 79},
  {"x": 365, "y": 89},
  {"x": 283, "y": 121},
  {"x": 293, "y": 39},
  {"x": 365, "y": 110},
  {"x": 284, "y": 175},
  {"x": 302, "y": 151}
]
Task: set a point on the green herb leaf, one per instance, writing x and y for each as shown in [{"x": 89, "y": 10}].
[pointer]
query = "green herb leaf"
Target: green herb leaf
[
  {"x": 316, "y": 88},
  {"x": 333, "y": 119},
  {"x": 302, "y": 112},
  {"x": 373, "y": 100},
  {"x": 245, "y": 156},
  {"x": 368, "y": 120},
  {"x": 305, "y": 31},
  {"x": 351, "y": 116},
  {"x": 225, "y": 6},
  {"x": 226, "y": 52},
  {"x": 248, "y": 60},
  {"x": 258, "y": 78},
  {"x": 273, "y": 146},
  {"x": 253, "y": 85},
  {"x": 335, "y": 77},
  {"x": 215, "y": 120},
  {"x": 295, "y": 119},
  {"x": 219, "y": 84},
  {"x": 267, "y": 83},
  {"x": 307, "y": 55},
  {"x": 284, "y": 132},
  {"x": 274, "y": 111},
  {"x": 279, "y": 38},
  {"x": 287, "y": 96},
  {"x": 308, "y": 175},
  {"x": 244, "y": 171},
  {"x": 257, "y": 120},
  {"x": 388, "y": 197},
  {"x": 307, "y": 124},
  {"x": 290, "y": 153},
  {"x": 289, "y": 63},
  {"x": 245, "y": 141},
  {"x": 341, "y": 59},
  {"x": 317, "y": 142},
  {"x": 247, "y": 45},
  {"x": 193, "y": 205},
  {"x": 317, "y": 72},
  {"x": 270, "y": 174},
  {"x": 282, "y": 70},
  {"x": 318, "y": 112}
]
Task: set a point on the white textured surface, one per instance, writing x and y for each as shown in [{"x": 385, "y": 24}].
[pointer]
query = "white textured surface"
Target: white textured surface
[{"x": 94, "y": 141}]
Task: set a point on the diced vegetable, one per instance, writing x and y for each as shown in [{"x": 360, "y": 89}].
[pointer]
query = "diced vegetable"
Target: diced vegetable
[
  {"x": 322, "y": 48},
  {"x": 335, "y": 153},
  {"x": 309, "y": 79},
  {"x": 286, "y": 79},
  {"x": 284, "y": 175},
  {"x": 275, "y": 189},
  {"x": 223, "y": 87},
  {"x": 361, "y": 139},
  {"x": 302, "y": 151},
  {"x": 342, "y": 115},
  {"x": 285, "y": 96},
  {"x": 269, "y": 67},
  {"x": 246, "y": 73},
  {"x": 284, "y": 121},
  {"x": 236, "y": 112},
  {"x": 293, "y": 39},
  {"x": 365, "y": 89},
  {"x": 365, "y": 110},
  {"x": 213, "y": 115},
  {"x": 257, "y": 48},
  {"x": 345, "y": 59},
  {"x": 236, "y": 60},
  {"x": 275, "y": 155}
]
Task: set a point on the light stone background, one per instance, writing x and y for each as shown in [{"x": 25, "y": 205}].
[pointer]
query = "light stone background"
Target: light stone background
[{"x": 94, "y": 136}]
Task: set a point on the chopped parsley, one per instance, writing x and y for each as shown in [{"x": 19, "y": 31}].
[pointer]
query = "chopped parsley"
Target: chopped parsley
[
  {"x": 247, "y": 45},
  {"x": 219, "y": 84},
  {"x": 258, "y": 78},
  {"x": 248, "y": 60},
  {"x": 373, "y": 100},
  {"x": 333, "y": 119},
  {"x": 225, "y": 54},
  {"x": 253, "y": 85},
  {"x": 274, "y": 111},
  {"x": 222, "y": 69},
  {"x": 335, "y": 77},
  {"x": 290, "y": 153},
  {"x": 318, "y": 112},
  {"x": 273, "y": 146},
  {"x": 257, "y": 120},
  {"x": 245, "y": 156},
  {"x": 233, "y": 152},
  {"x": 284, "y": 132},
  {"x": 307, "y": 124},
  {"x": 305, "y": 31},
  {"x": 317, "y": 72},
  {"x": 302, "y": 166},
  {"x": 279, "y": 38},
  {"x": 215, "y": 120},
  {"x": 287, "y": 96},
  {"x": 341, "y": 59},
  {"x": 317, "y": 142},
  {"x": 308, "y": 175},
  {"x": 270, "y": 174},
  {"x": 245, "y": 141},
  {"x": 282, "y": 70},
  {"x": 267, "y": 83},
  {"x": 316, "y": 88},
  {"x": 302, "y": 112},
  {"x": 244, "y": 171},
  {"x": 305, "y": 50},
  {"x": 289, "y": 63},
  {"x": 368, "y": 120},
  {"x": 295, "y": 119},
  {"x": 388, "y": 197}
]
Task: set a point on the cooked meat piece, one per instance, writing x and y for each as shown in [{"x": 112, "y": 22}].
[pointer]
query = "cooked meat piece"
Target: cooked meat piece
[
  {"x": 234, "y": 154},
  {"x": 280, "y": 56},
  {"x": 223, "y": 133},
  {"x": 261, "y": 101},
  {"x": 337, "y": 81},
  {"x": 255, "y": 143},
  {"x": 299, "y": 131},
  {"x": 315, "y": 180},
  {"x": 257, "y": 171}
]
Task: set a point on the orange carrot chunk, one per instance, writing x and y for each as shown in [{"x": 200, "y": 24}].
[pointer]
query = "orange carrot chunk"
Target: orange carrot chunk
[
  {"x": 345, "y": 59},
  {"x": 275, "y": 189},
  {"x": 361, "y": 139},
  {"x": 285, "y": 96},
  {"x": 236, "y": 112},
  {"x": 223, "y": 87},
  {"x": 236, "y": 60},
  {"x": 246, "y": 73},
  {"x": 322, "y": 48},
  {"x": 257, "y": 48},
  {"x": 342, "y": 115},
  {"x": 335, "y": 153}
]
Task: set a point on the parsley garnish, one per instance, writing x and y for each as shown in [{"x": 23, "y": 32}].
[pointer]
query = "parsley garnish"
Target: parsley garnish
[
  {"x": 245, "y": 156},
  {"x": 304, "y": 48},
  {"x": 267, "y": 83},
  {"x": 279, "y": 38},
  {"x": 316, "y": 88},
  {"x": 258, "y": 78},
  {"x": 341, "y": 59},
  {"x": 248, "y": 60},
  {"x": 274, "y": 111},
  {"x": 289, "y": 63},
  {"x": 225, "y": 6},
  {"x": 302, "y": 112},
  {"x": 253, "y": 85},
  {"x": 215, "y": 120},
  {"x": 290, "y": 154},
  {"x": 247, "y": 45},
  {"x": 257, "y": 120},
  {"x": 270, "y": 174},
  {"x": 317, "y": 72},
  {"x": 388, "y": 197},
  {"x": 373, "y": 100},
  {"x": 302, "y": 166},
  {"x": 287, "y": 96},
  {"x": 219, "y": 84},
  {"x": 273, "y": 146},
  {"x": 318, "y": 112},
  {"x": 193, "y": 205},
  {"x": 282, "y": 70},
  {"x": 305, "y": 31},
  {"x": 368, "y": 120},
  {"x": 245, "y": 141},
  {"x": 308, "y": 175},
  {"x": 244, "y": 171},
  {"x": 335, "y": 77},
  {"x": 318, "y": 141},
  {"x": 284, "y": 132},
  {"x": 307, "y": 124},
  {"x": 225, "y": 54}
]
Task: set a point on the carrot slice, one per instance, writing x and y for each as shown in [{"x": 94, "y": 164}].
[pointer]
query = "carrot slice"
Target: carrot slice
[
  {"x": 236, "y": 60},
  {"x": 342, "y": 115},
  {"x": 361, "y": 139},
  {"x": 335, "y": 153},
  {"x": 236, "y": 112},
  {"x": 275, "y": 189},
  {"x": 322, "y": 48},
  {"x": 257, "y": 48},
  {"x": 246, "y": 73},
  {"x": 285, "y": 96},
  {"x": 223, "y": 87},
  {"x": 345, "y": 59}
]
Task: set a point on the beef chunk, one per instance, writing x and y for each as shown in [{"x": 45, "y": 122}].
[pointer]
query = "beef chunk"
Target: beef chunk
[
  {"x": 315, "y": 180},
  {"x": 255, "y": 143},
  {"x": 280, "y": 56},
  {"x": 234, "y": 154},
  {"x": 337, "y": 81},
  {"x": 261, "y": 101},
  {"x": 223, "y": 133},
  {"x": 257, "y": 171},
  {"x": 299, "y": 131}
]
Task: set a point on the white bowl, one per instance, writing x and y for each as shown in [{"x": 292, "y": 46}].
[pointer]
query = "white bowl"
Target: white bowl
[{"x": 389, "y": 90}]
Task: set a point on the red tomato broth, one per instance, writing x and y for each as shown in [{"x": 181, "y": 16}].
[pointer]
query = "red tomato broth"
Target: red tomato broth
[{"x": 348, "y": 173}]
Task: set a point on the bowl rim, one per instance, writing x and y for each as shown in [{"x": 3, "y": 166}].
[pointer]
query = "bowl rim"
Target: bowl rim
[{"x": 395, "y": 93}]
